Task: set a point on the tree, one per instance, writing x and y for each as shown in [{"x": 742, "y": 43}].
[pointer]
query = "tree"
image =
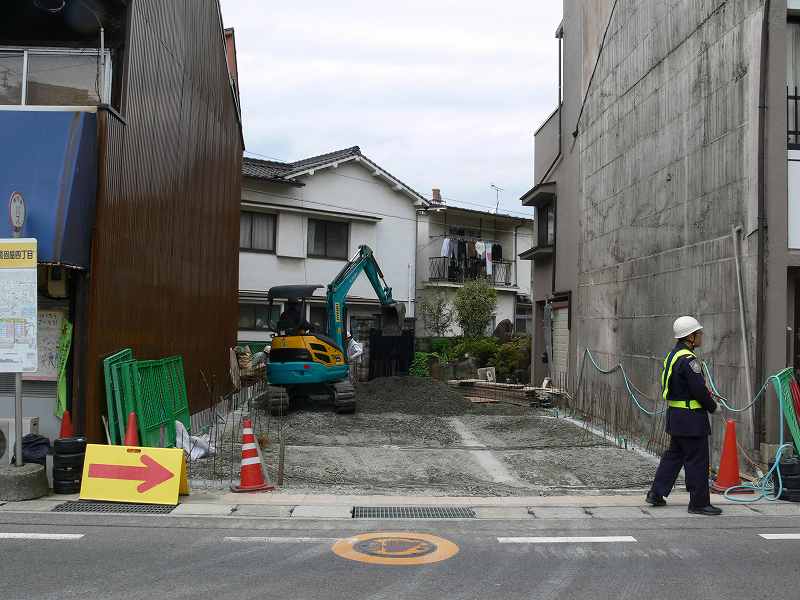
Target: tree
[
  {"x": 437, "y": 314},
  {"x": 475, "y": 304}
]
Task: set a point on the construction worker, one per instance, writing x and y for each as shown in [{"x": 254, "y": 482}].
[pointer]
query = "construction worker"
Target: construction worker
[{"x": 689, "y": 404}]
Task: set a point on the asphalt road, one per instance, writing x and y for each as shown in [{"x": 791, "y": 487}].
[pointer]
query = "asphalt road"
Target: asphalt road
[{"x": 86, "y": 556}]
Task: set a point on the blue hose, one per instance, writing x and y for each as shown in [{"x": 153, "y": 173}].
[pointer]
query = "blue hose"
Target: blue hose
[{"x": 764, "y": 486}]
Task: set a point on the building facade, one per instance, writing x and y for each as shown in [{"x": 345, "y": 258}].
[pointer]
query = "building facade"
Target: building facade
[
  {"x": 661, "y": 180},
  {"x": 447, "y": 258},
  {"x": 127, "y": 150},
  {"x": 301, "y": 222}
]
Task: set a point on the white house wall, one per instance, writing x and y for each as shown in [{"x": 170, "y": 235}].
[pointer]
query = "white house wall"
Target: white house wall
[{"x": 337, "y": 194}]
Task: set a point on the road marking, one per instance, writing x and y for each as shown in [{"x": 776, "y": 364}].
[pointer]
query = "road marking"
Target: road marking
[
  {"x": 780, "y": 536},
  {"x": 283, "y": 540},
  {"x": 40, "y": 536},
  {"x": 395, "y": 548},
  {"x": 566, "y": 539}
]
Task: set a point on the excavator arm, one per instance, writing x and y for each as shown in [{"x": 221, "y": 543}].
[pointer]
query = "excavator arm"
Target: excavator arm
[{"x": 363, "y": 262}]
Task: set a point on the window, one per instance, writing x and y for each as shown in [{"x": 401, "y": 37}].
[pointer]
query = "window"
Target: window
[
  {"x": 546, "y": 227},
  {"x": 524, "y": 318},
  {"x": 319, "y": 318},
  {"x": 328, "y": 239},
  {"x": 256, "y": 317},
  {"x": 54, "y": 77},
  {"x": 257, "y": 232}
]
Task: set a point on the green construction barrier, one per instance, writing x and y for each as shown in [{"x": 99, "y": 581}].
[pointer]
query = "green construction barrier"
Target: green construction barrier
[
  {"x": 175, "y": 381},
  {"x": 116, "y": 414},
  {"x": 154, "y": 398}
]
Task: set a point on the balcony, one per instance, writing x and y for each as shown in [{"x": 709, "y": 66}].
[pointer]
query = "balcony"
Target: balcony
[{"x": 442, "y": 269}]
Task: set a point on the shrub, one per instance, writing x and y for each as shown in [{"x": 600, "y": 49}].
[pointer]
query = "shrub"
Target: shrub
[
  {"x": 511, "y": 356},
  {"x": 437, "y": 314},
  {"x": 481, "y": 349},
  {"x": 475, "y": 303},
  {"x": 420, "y": 365}
]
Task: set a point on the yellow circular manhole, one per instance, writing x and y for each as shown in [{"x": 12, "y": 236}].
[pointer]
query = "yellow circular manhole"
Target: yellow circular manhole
[{"x": 395, "y": 548}]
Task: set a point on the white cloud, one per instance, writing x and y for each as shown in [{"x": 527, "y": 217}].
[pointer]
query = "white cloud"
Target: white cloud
[{"x": 441, "y": 93}]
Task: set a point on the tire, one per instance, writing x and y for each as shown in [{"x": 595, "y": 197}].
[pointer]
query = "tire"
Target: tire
[
  {"x": 68, "y": 460},
  {"x": 788, "y": 482},
  {"x": 790, "y": 495},
  {"x": 66, "y": 487},
  {"x": 71, "y": 445},
  {"x": 67, "y": 473},
  {"x": 789, "y": 466}
]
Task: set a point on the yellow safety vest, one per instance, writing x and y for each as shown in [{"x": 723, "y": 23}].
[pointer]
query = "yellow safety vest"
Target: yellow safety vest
[{"x": 666, "y": 374}]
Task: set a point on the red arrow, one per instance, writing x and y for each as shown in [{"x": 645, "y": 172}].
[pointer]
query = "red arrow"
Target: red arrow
[{"x": 151, "y": 474}]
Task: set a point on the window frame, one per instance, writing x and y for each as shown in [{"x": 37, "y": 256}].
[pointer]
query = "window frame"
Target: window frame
[
  {"x": 543, "y": 217},
  {"x": 250, "y": 213},
  {"x": 277, "y": 307},
  {"x": 326, "y": 256},
  {"x": 27, "y": 51}
]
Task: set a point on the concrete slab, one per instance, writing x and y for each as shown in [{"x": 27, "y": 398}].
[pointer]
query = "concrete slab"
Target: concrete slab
[
  {"x": 263, "y": 511},
  {"x": 559, "y": 512},
  {"x": 777, "y": 509},
  {"x": 27, "y": 482},
  {"x": 618, "y": 512},
  {"x": 502, "y": 512},
  {"x": 29, "y": 506},
  {"x": 323, "y": 512},
  {"x": 203, "y": 509}
]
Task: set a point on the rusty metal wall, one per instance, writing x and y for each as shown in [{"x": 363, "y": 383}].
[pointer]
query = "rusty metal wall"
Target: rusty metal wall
[{"x": 164, "y": 272}]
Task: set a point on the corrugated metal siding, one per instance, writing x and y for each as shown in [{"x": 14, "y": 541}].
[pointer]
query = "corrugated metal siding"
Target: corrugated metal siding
[{"x": 165, "y": 256}]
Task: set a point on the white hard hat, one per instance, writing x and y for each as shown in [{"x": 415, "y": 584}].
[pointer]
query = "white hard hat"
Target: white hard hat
[{"x": 685, "y": 326}]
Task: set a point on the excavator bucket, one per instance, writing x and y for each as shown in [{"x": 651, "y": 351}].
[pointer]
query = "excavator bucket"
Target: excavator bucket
[{"x": 394, "y": 318}]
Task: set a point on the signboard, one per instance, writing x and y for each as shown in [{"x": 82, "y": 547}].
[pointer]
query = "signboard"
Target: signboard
[
  {"x": 49, "y": 327},
  {"x": 16, "y": 211},
  {"x": 134, "y": 474},
  {"x": 18, "y": 315}
]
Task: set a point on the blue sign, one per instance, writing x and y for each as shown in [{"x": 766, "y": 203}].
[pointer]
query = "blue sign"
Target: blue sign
[{"x": 50, "y": 159}]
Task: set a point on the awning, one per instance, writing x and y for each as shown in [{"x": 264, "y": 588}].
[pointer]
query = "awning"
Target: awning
[
  {"x": 50, "y": 158},
  {"x": 542, "y": 194}
]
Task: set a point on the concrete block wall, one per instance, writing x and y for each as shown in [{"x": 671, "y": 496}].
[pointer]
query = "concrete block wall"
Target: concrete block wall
[{"x": 668, "y": 166}]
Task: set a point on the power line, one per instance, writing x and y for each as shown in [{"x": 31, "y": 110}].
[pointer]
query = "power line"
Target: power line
[{"x": 508, "y": 212}]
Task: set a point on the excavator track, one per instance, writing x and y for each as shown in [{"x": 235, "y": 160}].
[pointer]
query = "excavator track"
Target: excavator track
[{"x": 344, "y": 397}]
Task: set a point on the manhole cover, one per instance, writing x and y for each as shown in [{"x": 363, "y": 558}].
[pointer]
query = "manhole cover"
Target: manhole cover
[
  {"x": 395, "y": 548},
  {"x": 413, "y": 512},
  {"x": 113, "y": 507}
]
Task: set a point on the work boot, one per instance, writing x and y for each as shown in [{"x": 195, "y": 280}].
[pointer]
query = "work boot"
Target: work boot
[
  {"x": 654, "y": 499},
  {"x": 708, "y": 511}
]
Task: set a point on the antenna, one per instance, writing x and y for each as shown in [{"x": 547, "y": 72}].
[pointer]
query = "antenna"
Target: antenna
[{"x": 497, "y": 190}]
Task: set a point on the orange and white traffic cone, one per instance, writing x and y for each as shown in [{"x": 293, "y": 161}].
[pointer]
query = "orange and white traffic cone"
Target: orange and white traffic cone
[
  {"x": 131, "y": 431},
  {"x": 67, "y": 430},
  {"x": 251, "y": 475},
  {"x": 728, "y": 474}
]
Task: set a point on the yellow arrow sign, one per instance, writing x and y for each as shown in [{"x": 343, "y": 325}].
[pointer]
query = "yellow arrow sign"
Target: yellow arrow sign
[{"x": 134, "y": 474}]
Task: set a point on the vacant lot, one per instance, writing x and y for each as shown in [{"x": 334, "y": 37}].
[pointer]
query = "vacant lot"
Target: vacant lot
[{"x": 413, "y": 436}]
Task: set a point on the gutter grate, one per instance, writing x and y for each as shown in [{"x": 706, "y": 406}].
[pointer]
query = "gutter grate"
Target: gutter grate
[
  {"x": 83, "y": 506},
  {"x": 413, "y": 512}
]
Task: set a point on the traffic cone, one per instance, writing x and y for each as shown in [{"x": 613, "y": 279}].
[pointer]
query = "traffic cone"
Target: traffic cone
[
  {"x": 66, "y": 430},
  {"x": 728, "y": 473},
  {"x": 131, "y": 431},
  {"x": 251, "y": 476}
]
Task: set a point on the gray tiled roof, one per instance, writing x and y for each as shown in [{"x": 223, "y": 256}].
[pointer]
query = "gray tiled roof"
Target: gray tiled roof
[{"x": 272, "y": 170}]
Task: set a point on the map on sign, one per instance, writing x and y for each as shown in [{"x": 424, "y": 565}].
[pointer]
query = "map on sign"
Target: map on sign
[
  {"x": 18, "y": 306},
  {"x": 49, "y": 327}
]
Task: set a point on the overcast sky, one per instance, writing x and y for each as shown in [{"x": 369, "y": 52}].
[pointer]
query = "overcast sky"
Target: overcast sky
[{"x": 440, "y": 93}]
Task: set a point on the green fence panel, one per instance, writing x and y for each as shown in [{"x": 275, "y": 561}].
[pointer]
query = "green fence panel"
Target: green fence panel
[
  {"x": 156, "y": 418},
  {"x": 175, "y": 380},
  {"x": 116, "y": 416}
]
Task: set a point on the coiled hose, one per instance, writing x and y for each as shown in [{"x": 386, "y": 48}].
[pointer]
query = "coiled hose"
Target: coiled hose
[{"x": 764, "y": 486}]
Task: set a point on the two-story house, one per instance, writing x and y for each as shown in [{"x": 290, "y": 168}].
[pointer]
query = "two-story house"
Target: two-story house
[
  {"x": 300, "y": 223},
  {"x": 456, "y": 244}
]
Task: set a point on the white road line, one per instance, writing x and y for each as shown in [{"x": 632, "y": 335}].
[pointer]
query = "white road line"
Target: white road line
[
  {"x": 40, "y": 536},
  {"x": 566, "y": 539},
  {"x": 780, "y": 536},
  {"x": 282, "y": 540}
]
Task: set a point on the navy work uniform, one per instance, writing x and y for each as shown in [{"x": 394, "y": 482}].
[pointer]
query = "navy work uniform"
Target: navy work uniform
[{"x": 689, "y": 404}]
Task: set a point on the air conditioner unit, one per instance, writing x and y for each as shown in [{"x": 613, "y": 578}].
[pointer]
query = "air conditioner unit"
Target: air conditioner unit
[{"x": 8, "y": 439}]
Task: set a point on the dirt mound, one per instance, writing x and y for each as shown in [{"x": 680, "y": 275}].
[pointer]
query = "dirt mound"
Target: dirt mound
[{"x": 410, "y": 395}]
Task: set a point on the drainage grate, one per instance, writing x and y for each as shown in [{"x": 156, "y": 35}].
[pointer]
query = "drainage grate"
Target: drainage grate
[
  {"x": 413, "y": 512},
  {"x": 113, "y": 507}
]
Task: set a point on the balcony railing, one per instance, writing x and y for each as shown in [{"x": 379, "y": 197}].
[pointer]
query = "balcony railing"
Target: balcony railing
[
  {"x": 444, "y": 269},
  {"x": 793, "y": 118}
]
